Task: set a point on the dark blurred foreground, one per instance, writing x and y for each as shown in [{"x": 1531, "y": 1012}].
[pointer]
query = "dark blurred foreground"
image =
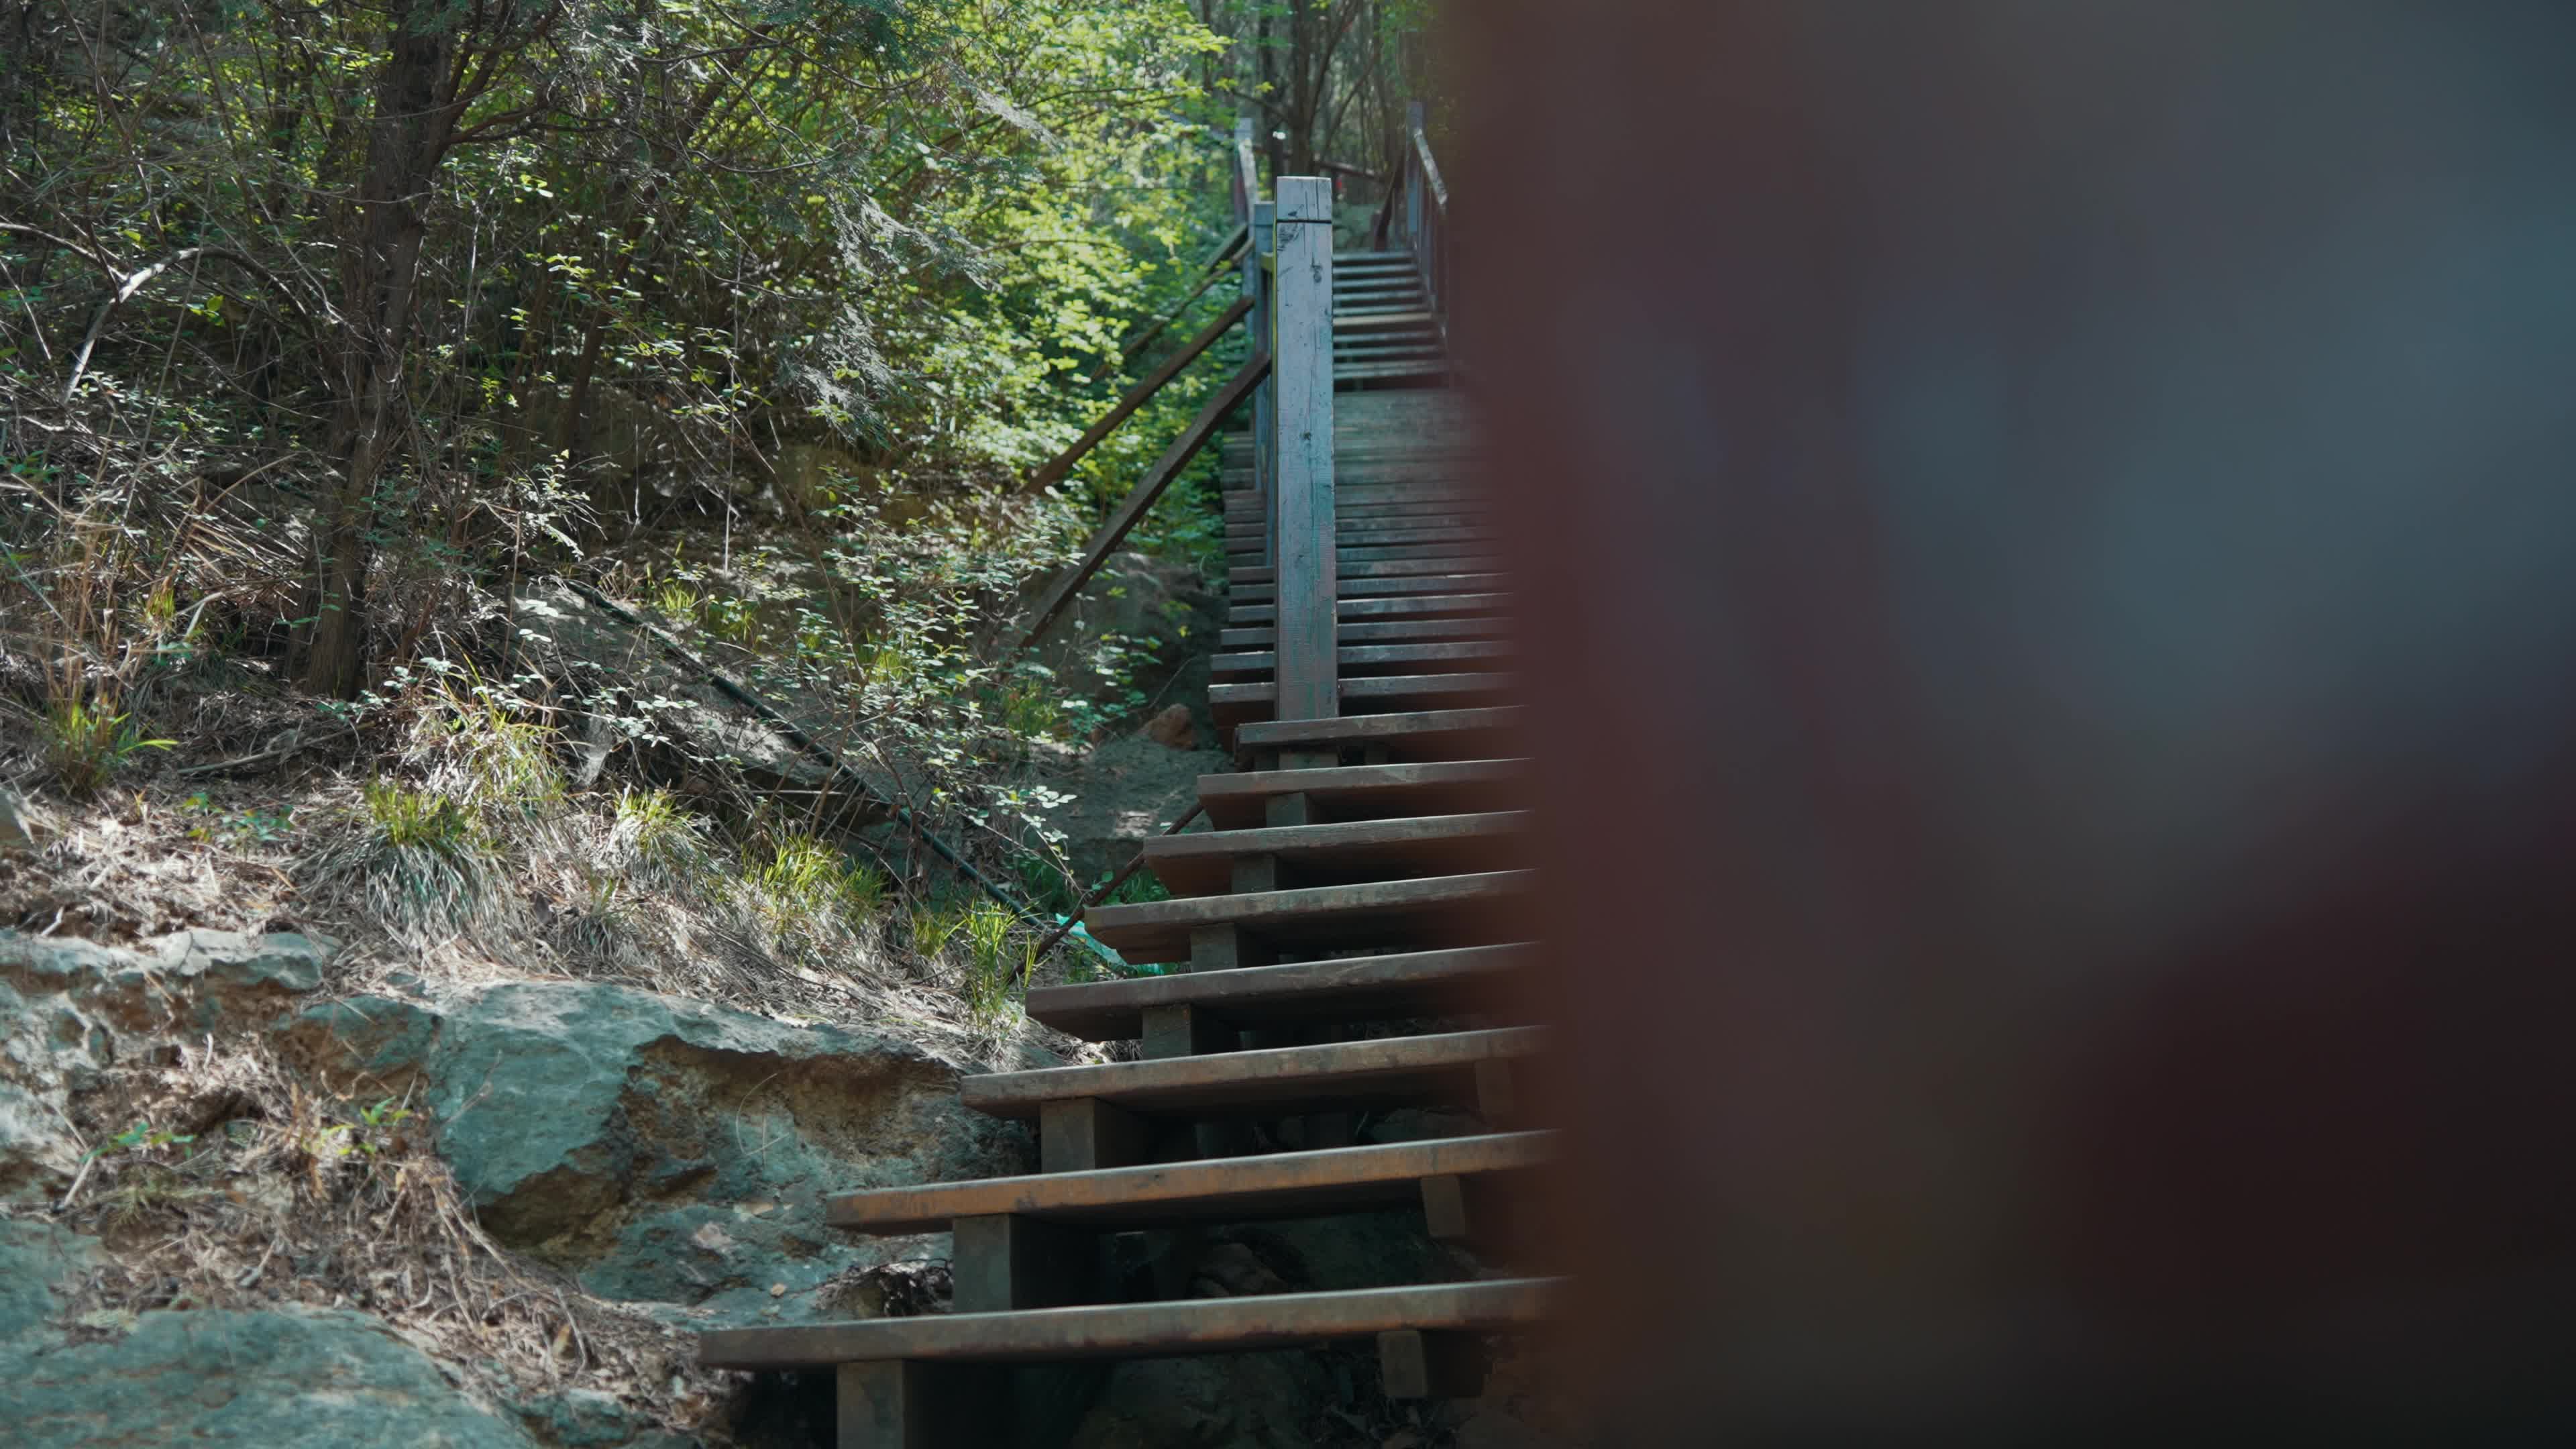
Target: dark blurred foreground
[{"x": 2052, "y": 535}]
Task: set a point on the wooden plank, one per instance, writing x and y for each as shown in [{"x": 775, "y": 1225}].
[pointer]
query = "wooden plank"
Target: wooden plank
[
  {"x": 1452, "y": 734},
  {"x": 1388, "y": 631},
  {"x": 1387, "y": 568},
  {"x": 1349, "y": 988},
  {"x": 1361, "y": 660},
  {"x": 1356, "y": 611},
  {"x": 1127, "y": 1330},
  {"x": 1236, "y": 704},
  {"x": 1238, "y": 801},
  {"x": 1303, "y": 535},
  {"x": 1440, "y": 911},
  {"x": 1201, "y": 864},
  {"x": 1383, "y": 588},
  {"x": 1282, "y": 1080},
  {"x": 1256, "y": 285},
  {"x": 1054, "y": 469},
  {"x": 1133, "y": 508},
  {"x": 1294, "y": 1184},
  {"x": 896, "y": 1405}
]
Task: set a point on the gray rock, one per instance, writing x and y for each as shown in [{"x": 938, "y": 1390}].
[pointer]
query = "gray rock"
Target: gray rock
[
  {"x": 667, "y": 1150},
  {"x": 581, "y": 1419},
  {"x": 292, "y": 1379},
  {"x": 189, "y": 981},
  {"x": 35, "y": 1258},
  {"x": 64, "y": 1002},
  {"x": 48, "y": 1049}
]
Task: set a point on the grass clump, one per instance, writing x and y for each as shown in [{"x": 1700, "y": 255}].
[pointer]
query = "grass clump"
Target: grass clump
[
  {"x": 87, "y": 744},
  {"x": 417, "y": 860}
]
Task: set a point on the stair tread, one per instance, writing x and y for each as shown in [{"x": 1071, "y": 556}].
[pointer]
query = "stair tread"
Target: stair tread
[
  {"x": 1349, "y": 988},
  {"x": 1447, "y": 787},
  {"x": 1428, "y": 911},
  {"x": 1281, "y": 1080},
  {"x": 1235, "y": 704},
  {"x": 1236, "y": 1189},
  {"x": 1385, "y": 631},
  {"x": 1202, "y": 863},
  {"x": 1372, "y": 588},
  {"x": 1118, "y": 1330},
  {"x": 1476, "y": 733},
  {"x": 1358, "y": 660},
  {"x": 1404, "y": 607}
]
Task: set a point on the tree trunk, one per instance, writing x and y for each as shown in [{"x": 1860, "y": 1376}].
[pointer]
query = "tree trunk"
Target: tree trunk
[{"x": 406, "y": 141}]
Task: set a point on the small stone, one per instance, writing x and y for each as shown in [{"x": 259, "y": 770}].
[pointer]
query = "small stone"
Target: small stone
[
  {"x": 1172, "y": 729},
  {"x": 777, "y": 1290}
]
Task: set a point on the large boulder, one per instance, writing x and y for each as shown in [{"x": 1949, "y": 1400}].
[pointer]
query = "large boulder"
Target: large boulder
[
  {"x": 666, "y": 1150},
  {"x": 289, "y": 1379}
]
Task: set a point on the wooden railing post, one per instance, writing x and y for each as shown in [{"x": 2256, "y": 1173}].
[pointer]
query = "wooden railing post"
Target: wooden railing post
[
  {"x": 1256, "y": 285},
  {"x": 1302, "y": 374}
]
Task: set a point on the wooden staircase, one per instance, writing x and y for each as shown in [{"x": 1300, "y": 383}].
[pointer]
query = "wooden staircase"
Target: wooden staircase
[
  {"x": 1383, "y": 327},
  {"x": 1340, "y": 940}
]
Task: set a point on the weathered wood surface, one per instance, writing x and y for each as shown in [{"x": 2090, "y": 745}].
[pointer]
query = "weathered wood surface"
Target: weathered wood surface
[
  {"x": 1356, "y": 660},
  {"x": 1281, "y": 1080},
  {"x": 1420, "y": 606},
  {"x": 1054, "y": 469},
  {"x": 1205, "y": 1325},
  {"x": 1402, "y": 913},
  {"x": 1203, "y": 864},
  {"x": 1237, "y": 704},
  {"x": 1362, "y": 792},
  {"x": 1306, "y": 572},
  {"x": 1349, "y": 988},
  {"x": 1374, "y": 588},
  {"x": 1444, "y": 734},
  {"x": 1485, "y": 626},
  {"x": 1239, "y": 1189}
]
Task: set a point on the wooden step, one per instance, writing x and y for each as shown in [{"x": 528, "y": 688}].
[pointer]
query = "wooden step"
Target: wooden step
[
  {"x": 1237, "y": 704},
  {"x": 1203, "y": 863},
  {"x": 1245, "y": 800},
  {"x": 1390, "y": 631},
  {"x": 1387, "y": 371},
  {"x": 1129, "y": 1330},
  {"x": 1374, "y": 588},
  {"x": 1355, "y": 661},
  {"x": 1436, "y": 912},
  {"x": 1393, "y": 513},
  {"x": 1374, "y": 571},
  {"x": 1428, "y": 735},
  {"x": 1381, "y": 533},
  {"x": 1378, "y": 320},
  {"x": 1279, "y": 1082},
  {"x": 1345, "y": 989},
  {"x": 1232, "y": 1189},
  {"x": 1419, "y": 606},
  {"x": 1461, "y": 552}
]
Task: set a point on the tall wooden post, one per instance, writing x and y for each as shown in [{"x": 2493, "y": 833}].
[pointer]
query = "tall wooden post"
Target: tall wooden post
[
  {"x": 1302, "y": 373},
  {"x": 1256, "y": 285},
  {"x": 1415, "y": 183}
]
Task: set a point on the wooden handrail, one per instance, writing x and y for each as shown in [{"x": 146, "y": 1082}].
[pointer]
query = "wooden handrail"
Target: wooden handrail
[
  {"x": 1430, "y": 167},
  {"x": 1054, "y": 470},
  {"x": 1148, "y": 488}
]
